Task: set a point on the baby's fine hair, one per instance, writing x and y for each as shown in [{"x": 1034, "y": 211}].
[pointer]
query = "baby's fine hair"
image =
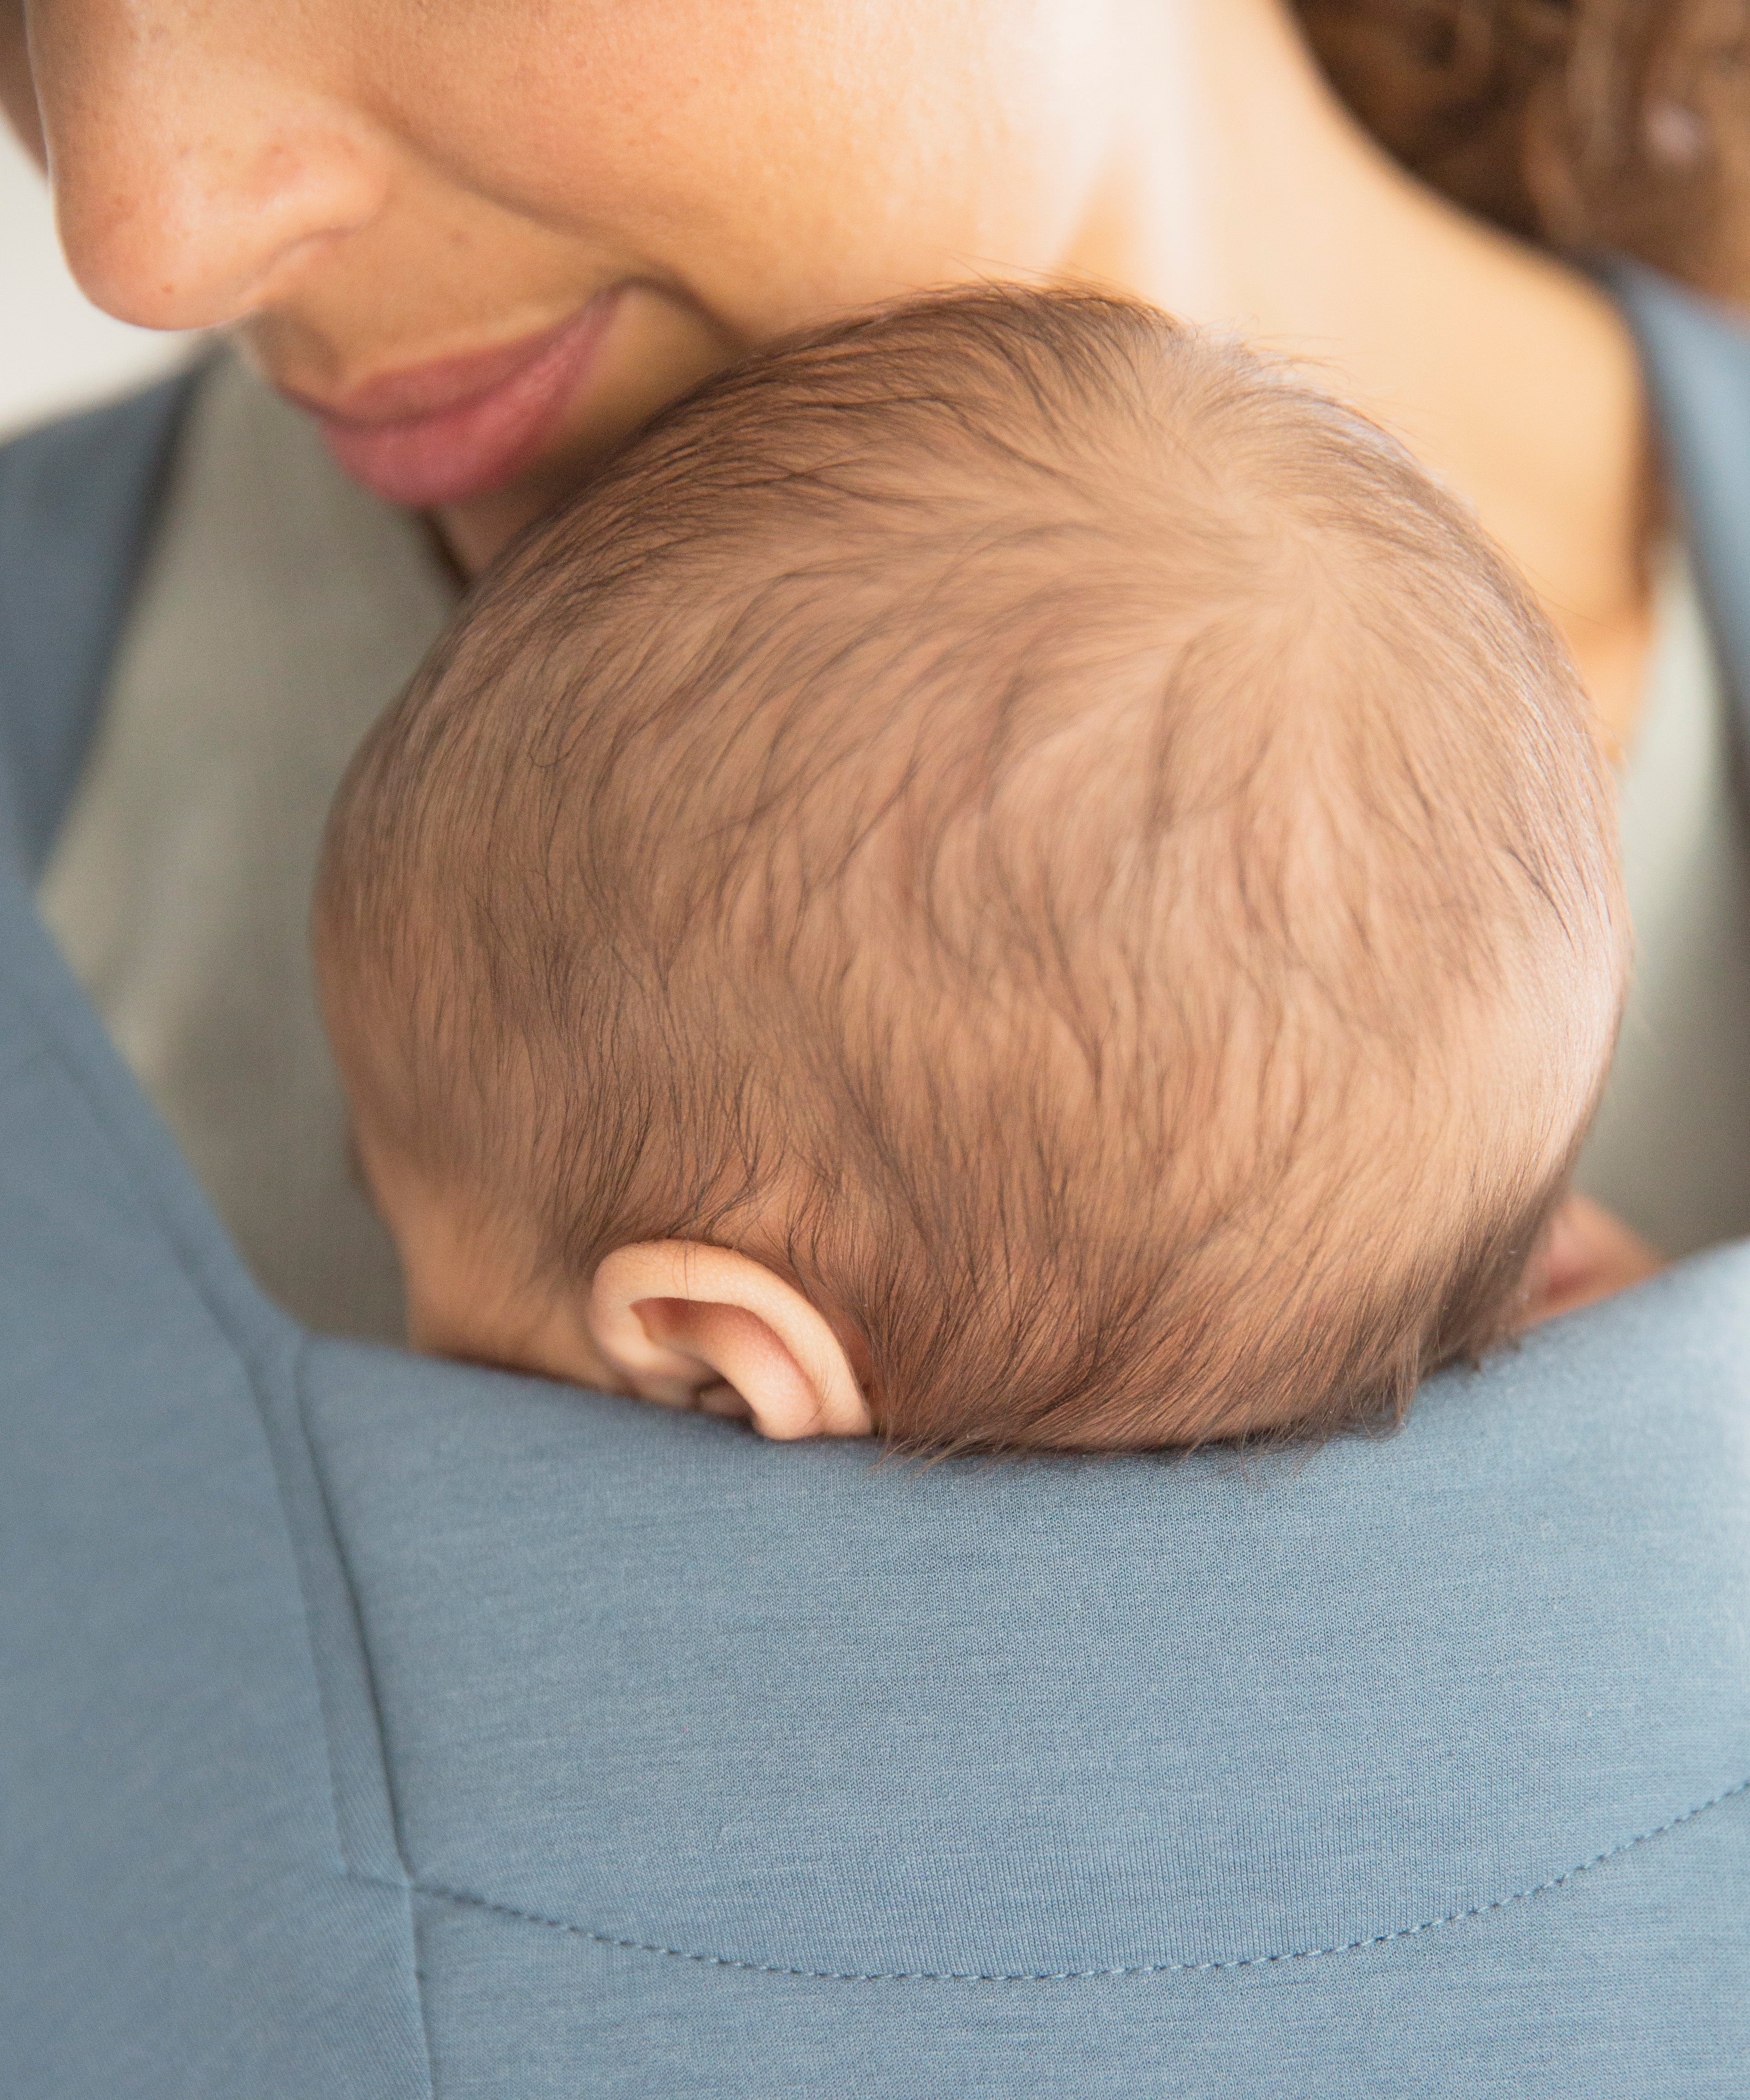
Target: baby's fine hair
[{"x": 1049, "y": 832}]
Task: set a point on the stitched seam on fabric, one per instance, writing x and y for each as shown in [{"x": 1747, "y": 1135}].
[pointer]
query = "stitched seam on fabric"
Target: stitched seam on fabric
[
  {"x": 304, "y": 1599},
  {"x": 406, "y": 1891},
  {"x": 366, "y": 1664},
  {"x": 141, "y": 1182},
  {"x": 142, "y": 1185},
  {"x": 466, "y": 1900}
]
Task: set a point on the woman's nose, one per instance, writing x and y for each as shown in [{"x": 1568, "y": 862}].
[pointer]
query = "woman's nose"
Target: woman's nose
[{"x": 192, "y": 179}]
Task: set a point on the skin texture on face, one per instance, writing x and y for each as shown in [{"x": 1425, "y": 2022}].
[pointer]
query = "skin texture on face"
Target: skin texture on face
[
  {"x": 372, "y": 190},
  {"x": 341, "y": 179}
]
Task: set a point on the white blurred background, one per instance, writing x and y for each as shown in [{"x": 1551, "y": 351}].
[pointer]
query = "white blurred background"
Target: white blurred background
[{"x": 56, "y": 350}]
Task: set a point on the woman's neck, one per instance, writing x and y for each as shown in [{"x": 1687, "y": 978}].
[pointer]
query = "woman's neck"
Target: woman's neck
[{"x": 1249, "y": 199}]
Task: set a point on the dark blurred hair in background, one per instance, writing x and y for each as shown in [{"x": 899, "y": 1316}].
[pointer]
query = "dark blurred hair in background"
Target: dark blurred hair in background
[{"x": 1583, "y": 124}]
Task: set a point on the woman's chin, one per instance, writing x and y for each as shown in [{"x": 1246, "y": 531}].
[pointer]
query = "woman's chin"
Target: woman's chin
[{"x": 476, "y": 531}]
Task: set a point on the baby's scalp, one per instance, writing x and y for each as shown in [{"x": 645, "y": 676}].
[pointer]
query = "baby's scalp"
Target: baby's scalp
[{"x": 1050, "y": 835}]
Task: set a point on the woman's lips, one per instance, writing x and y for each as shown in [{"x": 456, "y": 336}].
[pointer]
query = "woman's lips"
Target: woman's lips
[{"x": 460, "y": 427}]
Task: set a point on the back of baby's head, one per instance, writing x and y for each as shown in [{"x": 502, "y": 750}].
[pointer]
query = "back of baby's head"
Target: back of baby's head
[{"x": 1050, "y": 835}]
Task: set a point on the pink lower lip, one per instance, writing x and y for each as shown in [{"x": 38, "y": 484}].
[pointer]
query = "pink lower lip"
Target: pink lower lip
[{"x": 477, "y": 442}]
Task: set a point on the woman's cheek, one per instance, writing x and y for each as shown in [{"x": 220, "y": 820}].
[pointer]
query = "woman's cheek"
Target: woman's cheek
[{"x": 777, "y": 163}]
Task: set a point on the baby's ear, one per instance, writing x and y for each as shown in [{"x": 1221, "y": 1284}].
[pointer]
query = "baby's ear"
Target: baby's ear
[{"x": 695, "y": 1326}]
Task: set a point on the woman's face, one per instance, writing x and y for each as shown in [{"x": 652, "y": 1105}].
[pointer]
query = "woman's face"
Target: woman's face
[{"x": 483, "y": 239}]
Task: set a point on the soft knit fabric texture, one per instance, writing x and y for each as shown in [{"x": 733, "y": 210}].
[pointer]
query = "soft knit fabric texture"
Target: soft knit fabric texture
[{"x": 370, "y": 1721}]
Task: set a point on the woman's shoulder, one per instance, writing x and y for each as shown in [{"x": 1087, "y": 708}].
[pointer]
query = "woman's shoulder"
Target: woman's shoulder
[{"x": 76, "y": 501}]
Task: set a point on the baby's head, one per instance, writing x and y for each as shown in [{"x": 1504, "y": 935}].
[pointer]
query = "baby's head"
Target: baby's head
[{"x": 1006, "y": 874}]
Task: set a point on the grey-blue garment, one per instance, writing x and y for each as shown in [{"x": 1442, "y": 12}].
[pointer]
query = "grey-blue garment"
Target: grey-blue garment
[{"x": 373, "y": 1727}]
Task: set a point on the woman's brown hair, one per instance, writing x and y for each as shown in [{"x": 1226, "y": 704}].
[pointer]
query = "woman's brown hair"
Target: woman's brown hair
[{"x": 1583, "y": 123}]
